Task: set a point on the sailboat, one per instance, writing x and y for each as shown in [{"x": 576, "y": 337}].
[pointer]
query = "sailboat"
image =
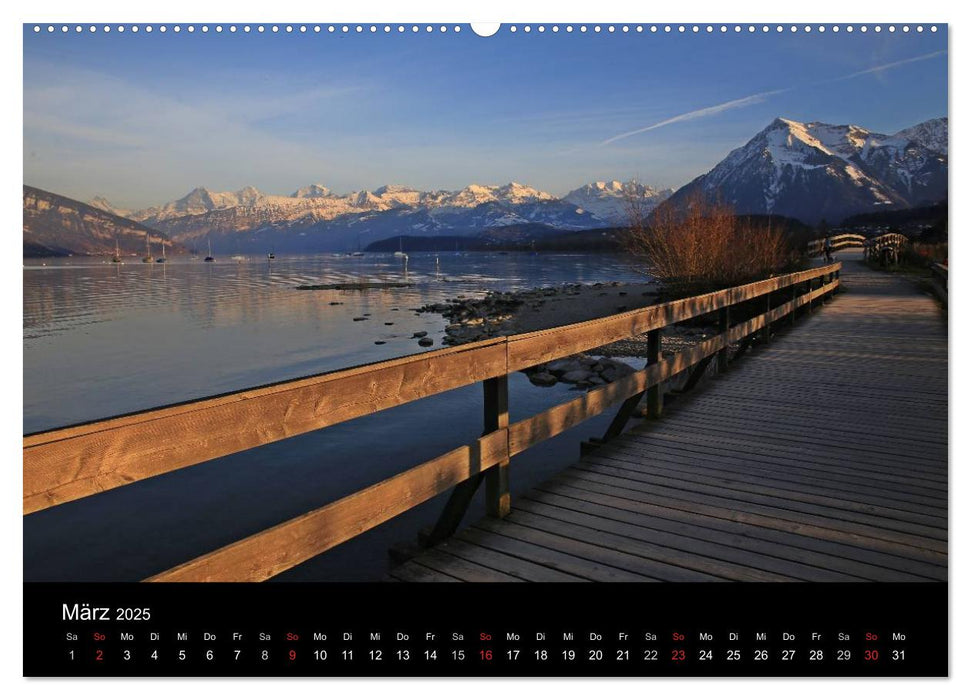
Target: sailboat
[
  {"x": 161, "y": 259},
  {"x": 357, "y": 253},
  {"x": 209, "y": 257},
  {"x": 271, "y": 256},
  {"x": 400, "y": 253},
  {"x": 117, "y": 256},
  {"x": 148, "y": 251}
]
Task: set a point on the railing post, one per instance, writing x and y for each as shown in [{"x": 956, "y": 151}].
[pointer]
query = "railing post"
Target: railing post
[
  {"x": 655, "y": 398},
  {"x": 496, "y": 415},
  {"x": 792, "y": 313},
  {"x": 724, "y": 323},
  {"x": 767, "y": 329}
]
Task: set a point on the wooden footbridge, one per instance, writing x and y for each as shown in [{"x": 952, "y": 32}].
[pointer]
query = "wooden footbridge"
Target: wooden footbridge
[{"x": 822, "y": 457}]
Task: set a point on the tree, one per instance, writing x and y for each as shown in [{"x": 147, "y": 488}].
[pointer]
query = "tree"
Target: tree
[{"x": 701, "y": 245}]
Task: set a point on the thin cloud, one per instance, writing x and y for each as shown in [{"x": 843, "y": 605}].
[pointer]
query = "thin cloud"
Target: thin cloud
[
  {"x": 699, "y": 113},
  {"x": 761, "y": 96},
  {"x": 885, "y": 66}
]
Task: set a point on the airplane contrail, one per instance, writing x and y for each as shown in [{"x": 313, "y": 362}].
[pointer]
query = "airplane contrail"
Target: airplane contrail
[
  {"x": 697, "y": 113},
  {"x": 760, "y": 97},
  {"x": 885, "y": 66}
]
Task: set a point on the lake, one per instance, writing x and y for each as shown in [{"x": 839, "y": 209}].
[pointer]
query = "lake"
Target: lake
[{"x": 102, "y": 339}]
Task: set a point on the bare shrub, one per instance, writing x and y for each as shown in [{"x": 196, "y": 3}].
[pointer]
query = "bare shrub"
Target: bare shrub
[{"x": 701, "y": 245}]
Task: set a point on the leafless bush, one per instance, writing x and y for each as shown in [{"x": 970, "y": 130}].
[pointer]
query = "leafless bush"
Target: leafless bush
[{"x": 701, "y": 245}]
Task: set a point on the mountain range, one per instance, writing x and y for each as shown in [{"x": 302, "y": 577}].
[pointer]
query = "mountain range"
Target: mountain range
[
  {"x": 808, "y": 171},
  {"x": 813, "y": 171},
  {"x": 56, "y": 225},
  {"x": 316, "y": 219},
  {"x": 609, "y": 201}
]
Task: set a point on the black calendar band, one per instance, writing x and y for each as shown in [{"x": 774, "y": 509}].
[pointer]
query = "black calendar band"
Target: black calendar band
[{"x": 342, "y": 630}]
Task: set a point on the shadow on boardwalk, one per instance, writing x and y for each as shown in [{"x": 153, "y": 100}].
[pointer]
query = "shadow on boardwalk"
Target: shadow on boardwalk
[{"x": 821, "y": 458}]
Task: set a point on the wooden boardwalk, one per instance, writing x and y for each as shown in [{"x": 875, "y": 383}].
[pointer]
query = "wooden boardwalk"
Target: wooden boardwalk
[{"x": 823, "y": 457}]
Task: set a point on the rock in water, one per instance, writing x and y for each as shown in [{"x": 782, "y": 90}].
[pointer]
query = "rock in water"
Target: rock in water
[
  {"x": 425, "y": 342},
  {"x": 543, "y": 379},
  {"x": 575, "y": 376},
  {"x": 419, "y": 334},
  {"x": 568, "y": 364}
]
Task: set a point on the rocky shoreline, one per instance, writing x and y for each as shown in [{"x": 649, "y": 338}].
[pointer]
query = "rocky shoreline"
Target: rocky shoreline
[{"x": 507, "y": 313}]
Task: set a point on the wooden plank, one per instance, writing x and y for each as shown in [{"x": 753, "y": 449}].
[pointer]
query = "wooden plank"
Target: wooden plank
[
  {"x": 762, "y": 523},
  {"x": 786, "y": 451},
  {"x": 70, "y": 463},
  {"x": 561, "y": 561},
  {"x": 514, "y": 566},
  {"x": 597, "y": 469},
  {"x": 787, "y": 458},
  {"x": 735, "y": 558},
  {"x": 910, "y": 489},
  {"x": 798, "y": 499},
  {"x": 782, "y": 552},
  {"x": 887, "y": 420},
  {"x": 414, "y": 572},
  {"x": 843, "y": 419},
  {"x": 463, "y": 569},
  {"x": 599, "y": 554},
  {"x": 266, "y": 554},
  {"x": 895, "y": 447},
  {"x": 879, "y": 450},
  {"x": 810, "y": 481},
  {"x": 644, "y": 542},
  {"x": 843, "y": 530},
  {"x": 783, "y": 544}
]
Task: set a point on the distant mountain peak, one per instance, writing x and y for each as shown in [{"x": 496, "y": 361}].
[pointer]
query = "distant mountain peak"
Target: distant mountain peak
[
  {"x": 931, "y": 134},
  {"x": 102, "y": 203},
  {"x": 814, "y": 170},
  {"x": 311, "y": 191},
  {"x": 54, "y": 224},
  {"x": 608, "y": 199},
  {"x": 393, "y": 189}
]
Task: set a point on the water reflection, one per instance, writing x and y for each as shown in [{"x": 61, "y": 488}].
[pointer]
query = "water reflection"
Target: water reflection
[{"x": 102, "y": 339}]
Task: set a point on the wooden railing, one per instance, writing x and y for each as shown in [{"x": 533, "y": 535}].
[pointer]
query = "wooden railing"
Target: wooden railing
[
  {"x": 837, "y": 242},
  {"x": 70, "y": 463},
  {"x": 886, "y": 247},
  {"x": 939, "y": 281}
]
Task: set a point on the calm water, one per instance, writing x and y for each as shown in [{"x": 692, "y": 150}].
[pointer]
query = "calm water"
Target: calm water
[{"x": 102, "y": 339}]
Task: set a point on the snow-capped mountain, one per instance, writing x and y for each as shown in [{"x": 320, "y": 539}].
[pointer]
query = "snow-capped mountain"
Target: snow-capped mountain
[
  {"x": 812, "y": 171},
  {"x": 328, "y": 221},
  {"x": 57, "y": 225},
  {"x": 931, "y": 134},
  {"x": 103, "y": 204},
  {"x": 608, "y": 201},
  {"x": 311, "y": 191}
]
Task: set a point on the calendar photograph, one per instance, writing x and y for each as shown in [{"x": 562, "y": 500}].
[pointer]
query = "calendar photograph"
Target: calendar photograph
[{"x": 403, "y": 304}]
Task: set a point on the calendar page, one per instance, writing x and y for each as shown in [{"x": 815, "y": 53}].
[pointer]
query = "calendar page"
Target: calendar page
[{"x": 553, "y": 349}]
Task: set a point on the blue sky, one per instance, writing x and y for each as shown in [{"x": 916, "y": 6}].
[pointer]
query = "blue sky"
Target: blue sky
[{"x": 142, "y": 119}]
